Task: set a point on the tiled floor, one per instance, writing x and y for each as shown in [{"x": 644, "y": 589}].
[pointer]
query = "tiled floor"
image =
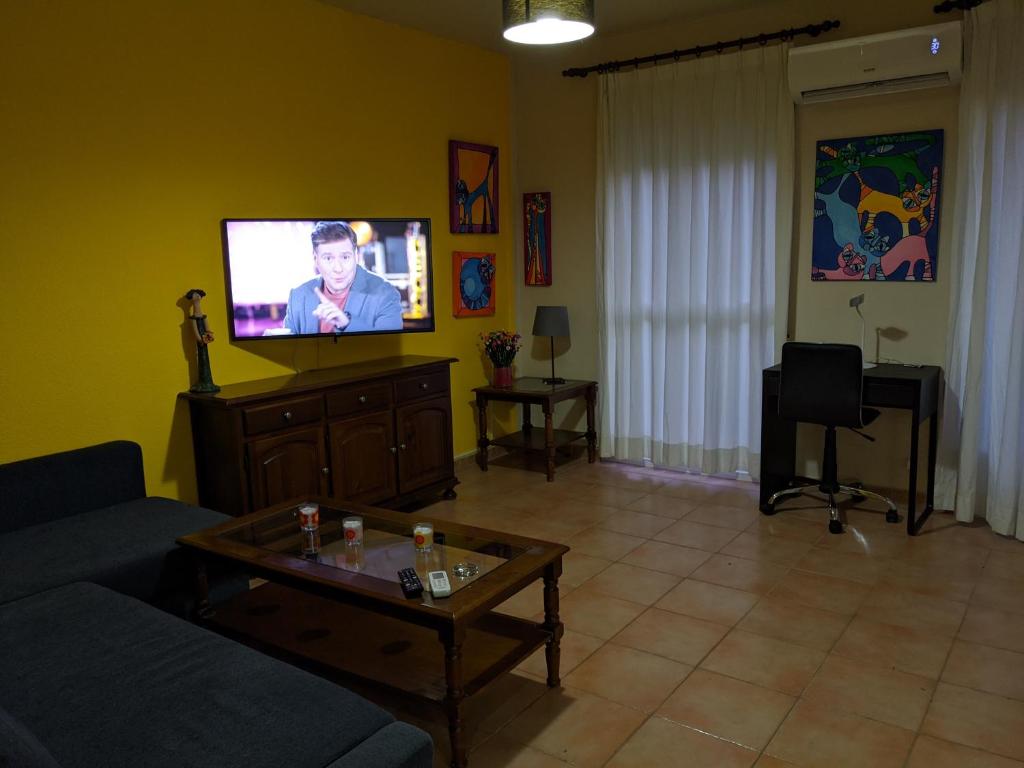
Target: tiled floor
[{"x": 700, "y": 633}]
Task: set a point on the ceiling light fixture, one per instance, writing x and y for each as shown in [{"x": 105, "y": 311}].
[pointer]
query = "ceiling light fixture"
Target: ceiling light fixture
[{"x": 546, "y": 22}]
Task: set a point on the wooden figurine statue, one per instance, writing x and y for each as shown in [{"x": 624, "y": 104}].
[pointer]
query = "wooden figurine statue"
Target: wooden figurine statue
[{"x": 204, "y": 337}]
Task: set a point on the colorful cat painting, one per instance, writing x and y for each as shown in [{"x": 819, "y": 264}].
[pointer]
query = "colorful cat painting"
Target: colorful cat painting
[{"x": 876, "y": 208}]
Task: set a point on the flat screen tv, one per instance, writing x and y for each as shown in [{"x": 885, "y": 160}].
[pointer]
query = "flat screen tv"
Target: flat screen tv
[{"x": 289, "y": 278}]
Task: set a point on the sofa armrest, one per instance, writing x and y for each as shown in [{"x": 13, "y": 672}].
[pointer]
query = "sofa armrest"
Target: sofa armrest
[
  {"x": 398, "y": 745},
  {"x": 59, "y": 485}
]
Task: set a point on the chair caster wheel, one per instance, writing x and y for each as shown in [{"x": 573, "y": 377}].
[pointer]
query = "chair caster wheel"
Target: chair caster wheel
[
  {"x": 892, "y": 516},
  {"x": 834, "y": 526},
  {"x": 768, "y": 509}
]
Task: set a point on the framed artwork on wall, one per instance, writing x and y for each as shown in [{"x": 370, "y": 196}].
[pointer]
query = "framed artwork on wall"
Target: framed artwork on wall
[
  {"x": 472, "y": 284},
  {"x": 472, "y": 188},
  {"x": 876, "y": 208},
  {"x": 537, "y": 237}
]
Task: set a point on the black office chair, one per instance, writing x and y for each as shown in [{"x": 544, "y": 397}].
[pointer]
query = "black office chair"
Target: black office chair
[{"x": 822, "y": 384}]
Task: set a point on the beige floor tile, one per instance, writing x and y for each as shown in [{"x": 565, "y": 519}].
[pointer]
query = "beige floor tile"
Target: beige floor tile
[
  {"x": 1008, "y": 566},
  {"x": 755, "y": 576},
  {"x": 672, "y": 635},
  {"x": 607, "y": 495},
  {"x": 689, "y": 534},
  {"x": 957, "y": 562},
  {"x": 977, "y": 719},
  {"x": 663, "y": 743},
  {"x": 529, "y": 601},
  {"x": 929, "y": 752},
  {"x": 574, "y": 726},
  {"x": 499, "y": 752},
  {"x": 767, "y": 761},
  {"x": 842, "y": 565},
  {"x": 724, "y": 517},
  {"x": 891, "y": 605},
  {"x": 730, "y": 709},
  {"x": 582, "y": 513},
  {"x": 867, "y": 540},
  {"x": 789, "y": 527},
  {"x": 984, "y": 668},
  {"x": 795, "y": 623},
  {"x": 663, "y": 506},
  {"x": 597, "y": 542},
  {"x": 627, "y": 676},
  {"x": 887, "y": 695},
  {"x": 577, "y": 568},
  {"x": 630, "y": 582},
  {"x": 886, "y": 645},
  {"x": 822, "y": 737},
  {"x": 501, "y": 701},
  {"x": 710, "y": 602},
  {"x": 773, "y": 549},
  {"x": 595, "y": 614},
  {"x": 996, "y": 628},
  {"x": 930, "y": 581},
  {"x": 667, "y": 558},
  {"x": 999, "y": 594},
  {"x": 574, "y": 648},
  {"x": 823, "y": 592},
  {"x": 635, "y": 523},
  {"x": 764, "y": 661}
]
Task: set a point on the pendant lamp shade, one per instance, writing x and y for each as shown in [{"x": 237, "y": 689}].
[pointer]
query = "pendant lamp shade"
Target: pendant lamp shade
[{"x": 546, "y": 22}]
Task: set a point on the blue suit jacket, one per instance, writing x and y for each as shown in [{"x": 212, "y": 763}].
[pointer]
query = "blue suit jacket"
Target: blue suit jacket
[{"x": 373, "y": 303}]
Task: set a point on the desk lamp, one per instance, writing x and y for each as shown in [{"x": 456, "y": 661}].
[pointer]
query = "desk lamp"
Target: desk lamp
[
  {"x": 551, "y": 322},
  {"x": 855, "y": 302}
]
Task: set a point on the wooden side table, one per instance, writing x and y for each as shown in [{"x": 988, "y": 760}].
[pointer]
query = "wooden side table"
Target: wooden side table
[{"x": 529, "y": 392}]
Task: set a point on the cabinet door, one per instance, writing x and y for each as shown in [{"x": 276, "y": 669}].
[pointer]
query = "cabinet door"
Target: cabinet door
[
  {"x": 424, "y": 443},
  {"x": 363, "y": 458},
  {"x": 287, "y": 466}
]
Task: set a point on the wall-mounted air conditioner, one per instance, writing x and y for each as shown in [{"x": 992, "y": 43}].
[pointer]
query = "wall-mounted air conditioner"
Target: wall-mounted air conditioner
[{"x": 924, "y": 57}]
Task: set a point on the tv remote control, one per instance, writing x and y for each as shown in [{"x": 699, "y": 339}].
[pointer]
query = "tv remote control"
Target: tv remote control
[
  {"x": 410, "y": 582},
  {"x": 439, "y": 584}
]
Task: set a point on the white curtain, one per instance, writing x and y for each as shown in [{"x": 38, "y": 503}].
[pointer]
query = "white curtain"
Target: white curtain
[
  {"x": 983, "y": 427},
  {"x": 694, "y": 220}
]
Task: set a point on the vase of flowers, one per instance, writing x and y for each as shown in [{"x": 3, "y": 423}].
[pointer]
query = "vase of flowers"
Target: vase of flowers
[{"x": 501, "y": 347}]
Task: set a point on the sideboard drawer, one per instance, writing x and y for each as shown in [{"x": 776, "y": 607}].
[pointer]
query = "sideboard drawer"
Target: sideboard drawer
[
  {"x": 423, "y": 385},
  {"x": 283, "y": 414},
  {"x": 363, "y": 398}
]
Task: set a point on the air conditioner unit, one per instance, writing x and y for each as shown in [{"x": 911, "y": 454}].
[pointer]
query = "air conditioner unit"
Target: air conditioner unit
[{"x": 924, "y": 57}]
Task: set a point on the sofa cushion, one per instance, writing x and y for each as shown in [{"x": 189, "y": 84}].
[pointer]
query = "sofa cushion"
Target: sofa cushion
[
  {"x": 19, "y": 748},
  {"x": 103, "y": 679},
  {"x": 38, "y": 490},
  {"x": 124, "y": 547}
]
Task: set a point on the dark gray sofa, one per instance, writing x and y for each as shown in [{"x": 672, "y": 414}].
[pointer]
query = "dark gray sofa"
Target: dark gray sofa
[{"x": 90, "y": 676}]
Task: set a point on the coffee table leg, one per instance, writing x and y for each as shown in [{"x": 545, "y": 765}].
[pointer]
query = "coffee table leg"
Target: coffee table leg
[
  {"x": 202, "y": 589},
  {"x": 455, "y": 694},
  {"x": 482, "y": 441},
  {"x": 552, "y": 623},
  {"x": 549, "y": 441}
]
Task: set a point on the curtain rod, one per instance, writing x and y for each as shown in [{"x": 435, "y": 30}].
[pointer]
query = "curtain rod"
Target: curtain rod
[
  {"x": 956, "y": 5},
  {"x": 783, "y": 34}
]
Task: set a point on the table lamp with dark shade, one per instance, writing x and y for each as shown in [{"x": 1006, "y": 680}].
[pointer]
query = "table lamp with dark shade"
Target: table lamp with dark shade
[{"x": 551, "y": 322}]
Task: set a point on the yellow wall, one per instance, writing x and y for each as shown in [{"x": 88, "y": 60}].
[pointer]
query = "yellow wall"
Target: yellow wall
[
  {"x": 554, "y": 123},
  {"x": 129, "y": 129}
]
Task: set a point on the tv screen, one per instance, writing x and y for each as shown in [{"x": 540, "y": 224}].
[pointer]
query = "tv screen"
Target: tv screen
[{"x": 327, "y": 277}]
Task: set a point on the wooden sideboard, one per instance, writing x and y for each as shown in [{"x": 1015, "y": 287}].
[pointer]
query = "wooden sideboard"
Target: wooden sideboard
[{"x": 378, "y": 432}]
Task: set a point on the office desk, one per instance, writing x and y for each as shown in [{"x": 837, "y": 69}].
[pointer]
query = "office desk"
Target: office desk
[{"x": 885, "y": 386}]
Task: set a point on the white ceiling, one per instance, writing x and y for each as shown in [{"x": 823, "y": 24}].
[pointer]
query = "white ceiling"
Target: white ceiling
[{"x": 479, "y": 21}]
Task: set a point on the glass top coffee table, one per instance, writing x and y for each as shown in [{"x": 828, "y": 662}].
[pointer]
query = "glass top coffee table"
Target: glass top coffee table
[{"x": 341, "y": 611}]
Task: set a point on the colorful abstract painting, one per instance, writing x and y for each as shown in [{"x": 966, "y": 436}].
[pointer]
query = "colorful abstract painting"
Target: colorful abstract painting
[
  {"x": 473, "y": 284},
  {"x": 537, "y": 237},
  {"x": 876, "y": 207},
  {"x": 472, "y": 187}
]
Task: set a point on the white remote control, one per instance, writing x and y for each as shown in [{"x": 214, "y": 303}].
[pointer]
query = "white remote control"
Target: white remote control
[{"x": 439, "y": 584}]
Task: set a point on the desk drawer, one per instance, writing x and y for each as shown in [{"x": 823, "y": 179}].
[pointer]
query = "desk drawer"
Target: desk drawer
[
  {"x": 363, "y": 398},
  {"x": 885, "y": 395},
  {"x": 283, "y": 414},
  {"x": 423, "y": 385}
]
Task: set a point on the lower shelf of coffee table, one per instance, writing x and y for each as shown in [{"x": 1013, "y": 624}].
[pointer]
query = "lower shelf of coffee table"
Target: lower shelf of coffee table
[
  {"x": 534, "y": 440},
  {"x": 329, "y": 638}
]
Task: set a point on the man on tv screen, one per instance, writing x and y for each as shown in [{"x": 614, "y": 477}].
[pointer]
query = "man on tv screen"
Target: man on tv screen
[{"x": 344, "y": 296}]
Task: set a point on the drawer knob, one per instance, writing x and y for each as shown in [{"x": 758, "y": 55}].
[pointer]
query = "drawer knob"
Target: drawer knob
[
  {"x": 326, "y": 470},
  {"x": 402, "y": 446},
  {"x": 362, "y": 398},
  {"x": 287, "y": 415},
  {"x": 393, "y": 449},
  {"x": 424, "y": 385}
]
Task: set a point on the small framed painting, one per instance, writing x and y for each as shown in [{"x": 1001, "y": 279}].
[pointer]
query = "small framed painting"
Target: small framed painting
[
  {"x": 473, "y": 284},
  {"x": 537, "y": 237},
  {"x": 472, "y": 188}
]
